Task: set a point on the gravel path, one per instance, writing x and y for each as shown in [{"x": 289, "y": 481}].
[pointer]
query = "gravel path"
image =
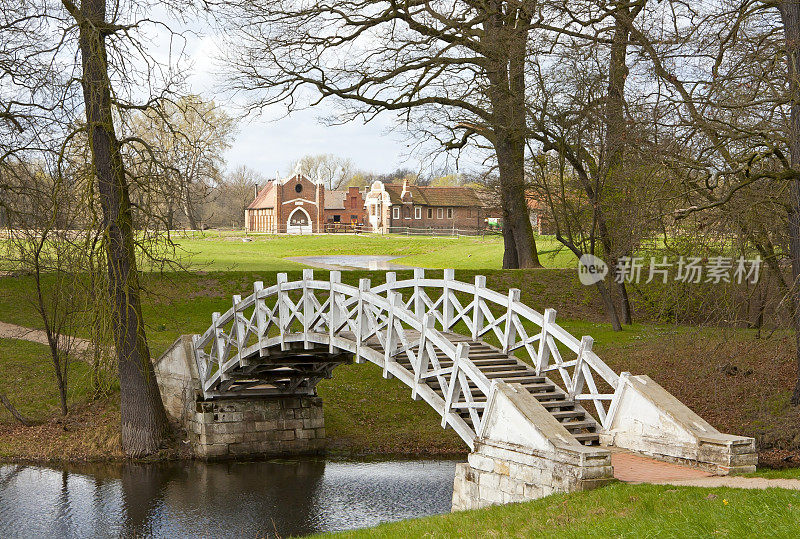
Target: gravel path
[{"x": 13, "y": 331}]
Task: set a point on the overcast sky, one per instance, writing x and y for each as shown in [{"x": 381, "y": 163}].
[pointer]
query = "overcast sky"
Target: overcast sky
[{"x": 272, "y": 141}]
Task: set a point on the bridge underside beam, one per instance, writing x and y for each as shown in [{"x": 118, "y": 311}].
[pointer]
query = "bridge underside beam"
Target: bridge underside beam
[{"x": 279, "y": 372}]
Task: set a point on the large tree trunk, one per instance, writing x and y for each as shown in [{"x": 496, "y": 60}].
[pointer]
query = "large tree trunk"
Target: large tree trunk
[
  {"x": 616, "y": 135},
  {"x": 790, "y": 14},
  {"x": 144, "y": 421},
  {"x": 506, "y": 73},
  {"x": 520, "y": 245}
]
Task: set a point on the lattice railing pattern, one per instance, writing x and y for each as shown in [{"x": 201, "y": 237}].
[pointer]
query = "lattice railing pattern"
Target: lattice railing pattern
[{"x": 413, "y": 318}]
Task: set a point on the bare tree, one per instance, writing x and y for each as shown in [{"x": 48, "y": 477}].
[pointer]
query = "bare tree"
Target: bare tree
[
  {"x": 43, "y": 243},
  {"x": 69, "y": 60},
  {"x": 734, "y": 118},
  {"x": 334, "y": 172},
  {"x": 457, "y": 67},
  {"x": 189, "y": 136},
  {"x": 234, "y": 192}
]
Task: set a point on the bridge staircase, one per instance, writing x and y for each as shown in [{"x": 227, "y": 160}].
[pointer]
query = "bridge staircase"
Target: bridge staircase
[{"x": 496, "y": 365}]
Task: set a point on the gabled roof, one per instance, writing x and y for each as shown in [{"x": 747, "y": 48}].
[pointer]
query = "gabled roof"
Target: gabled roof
[
  {"x": 435, "y": 196},
  {"x": 261, "y": 198}
]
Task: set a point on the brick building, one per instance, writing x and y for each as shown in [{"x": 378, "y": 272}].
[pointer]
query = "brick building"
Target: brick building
[
  {"x": 299, "y": 205},
  {"x": 344, "y": 210},
  {"x": 294, "y": 205},
  {"x": 392, "y": 207}
]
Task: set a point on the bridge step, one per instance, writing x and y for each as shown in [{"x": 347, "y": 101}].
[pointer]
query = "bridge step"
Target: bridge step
[
  {"x": 567, "y": 414},
  {"x": 589, "y": 438},
  {"x": 572, "y": 425}
]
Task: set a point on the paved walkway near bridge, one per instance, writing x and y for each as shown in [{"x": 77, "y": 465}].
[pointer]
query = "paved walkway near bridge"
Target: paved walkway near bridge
[{"x": 632, "y": 468}]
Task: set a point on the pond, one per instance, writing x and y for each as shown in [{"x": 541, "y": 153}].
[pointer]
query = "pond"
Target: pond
[
  {"x": 224, "y": 499},
  {"x": 350, "y": 262}
]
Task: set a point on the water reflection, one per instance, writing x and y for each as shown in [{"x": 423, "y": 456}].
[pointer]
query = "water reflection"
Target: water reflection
[{"x": 236, "y": 499}]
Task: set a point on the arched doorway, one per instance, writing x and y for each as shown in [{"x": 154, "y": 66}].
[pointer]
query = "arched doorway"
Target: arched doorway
[{"x": 299, "y": 222}]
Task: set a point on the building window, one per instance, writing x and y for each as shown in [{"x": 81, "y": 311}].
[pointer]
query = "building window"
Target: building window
[
  {"x": 396, "y": 212},
  {"x": 417, "y": 212},
  {"x": 449, "y": 213},
  {"x": 430, "y": 213},
  {"x": 372, "y": 210},
  {"x": 440, "y": 213},
  {"x": 337, "y": 219},
  {"x": 298, "y": 188}
]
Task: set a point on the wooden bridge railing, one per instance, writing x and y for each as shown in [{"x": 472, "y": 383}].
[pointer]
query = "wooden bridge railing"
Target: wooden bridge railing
[{"x": 415, "y": 318}]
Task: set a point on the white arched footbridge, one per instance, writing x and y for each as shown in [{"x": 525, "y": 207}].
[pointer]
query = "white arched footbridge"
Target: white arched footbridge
[
  {"x": 534, "y": 403},
  {"x": 447, "y": 340}
]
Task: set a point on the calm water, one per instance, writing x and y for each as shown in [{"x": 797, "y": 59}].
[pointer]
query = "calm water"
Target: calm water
[
  {"x": 369, "y": 262},
  {"x": 242, "y": 499}
]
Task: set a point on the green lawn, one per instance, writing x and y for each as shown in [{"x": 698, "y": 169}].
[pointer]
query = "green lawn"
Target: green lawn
[
  {"x": 769, "y": 473},
  {"x": 618, "y": 510},
  {"x": 27, "y": 378},
  {"x": 688, "y": 361},
  {"x": 227, "y": 252}
]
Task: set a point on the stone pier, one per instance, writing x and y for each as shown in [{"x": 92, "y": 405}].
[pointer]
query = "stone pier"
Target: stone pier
[
  {"x": 236, "y": 427},
  {"x": 523, "y": 453}
]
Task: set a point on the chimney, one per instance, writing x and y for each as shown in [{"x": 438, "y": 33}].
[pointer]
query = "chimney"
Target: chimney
[{"x": 405, "y": 191}]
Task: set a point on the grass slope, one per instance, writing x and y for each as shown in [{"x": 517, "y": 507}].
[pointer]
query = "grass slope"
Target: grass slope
[
  {"x": 28, "y": 380},
  {"x": 616, "y": 511}
]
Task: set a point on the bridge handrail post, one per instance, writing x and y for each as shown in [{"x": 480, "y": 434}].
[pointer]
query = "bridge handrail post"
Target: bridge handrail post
[
  {"x": 237, "y": 326},
  {"x": 282, "y": 279},
  {"x": 548, "y": 319},
  {"x": 419, "y": 303},
  {"x": 363, "y": 286},
  {"x": 578, "y": 376},
  {"x": 335, "y": 278},
  {"x": 391, "y": 279},
  {"x": 454, "y": 385},
  {"x": 510, "y": 330},
  {"x": 395, "y": 301},
  {"x": 261, "y": 316},
  {"x": 308, "y": 306},
  {"x": 447, "y": 304},
  {"x": 421, "y": 368},
  {"x": 218, "y": 344},
  {"x": 202, "y": 366},
  {"x": 477, "y": 310}
]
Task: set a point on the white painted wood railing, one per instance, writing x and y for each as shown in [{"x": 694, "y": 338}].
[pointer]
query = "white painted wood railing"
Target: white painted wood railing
[{"x": 416, "y": 318}]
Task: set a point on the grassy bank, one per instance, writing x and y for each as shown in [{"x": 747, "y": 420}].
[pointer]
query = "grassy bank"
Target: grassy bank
[
  {"x": 618, "y": 510},
  {"x": 739, "y": 382}
]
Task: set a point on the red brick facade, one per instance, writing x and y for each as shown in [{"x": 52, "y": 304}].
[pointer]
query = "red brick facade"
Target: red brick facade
[
  {"x": 344, "y": 210},
  {"x": 294, "y": 205}
]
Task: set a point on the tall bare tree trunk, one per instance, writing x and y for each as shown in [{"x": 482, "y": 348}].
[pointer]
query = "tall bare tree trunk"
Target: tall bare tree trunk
[
  {"x": 616, "y": 139},
  {"x": 506, "y": 75},
  {"x": 144, "y": 420},
  {"x": 790, "y": 15}
]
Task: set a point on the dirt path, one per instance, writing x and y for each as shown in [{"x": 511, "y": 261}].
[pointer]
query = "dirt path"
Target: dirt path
[{"x": 13, "y": 331}]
